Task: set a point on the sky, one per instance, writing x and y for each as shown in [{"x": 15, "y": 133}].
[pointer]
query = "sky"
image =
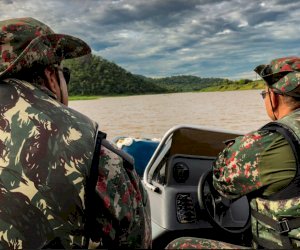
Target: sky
[{"x": 161, "y": 38}]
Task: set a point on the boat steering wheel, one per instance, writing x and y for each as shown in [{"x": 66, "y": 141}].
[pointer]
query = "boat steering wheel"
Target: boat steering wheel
[{"x": 216, "y": 206}]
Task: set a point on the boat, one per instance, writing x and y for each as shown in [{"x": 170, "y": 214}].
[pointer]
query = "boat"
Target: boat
[{"x": 176, "y": 172}]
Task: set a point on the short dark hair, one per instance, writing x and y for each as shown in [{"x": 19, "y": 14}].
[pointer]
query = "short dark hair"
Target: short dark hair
[
  {"x": 292, "y": 101},
  {"x": 34, "y": 74}
]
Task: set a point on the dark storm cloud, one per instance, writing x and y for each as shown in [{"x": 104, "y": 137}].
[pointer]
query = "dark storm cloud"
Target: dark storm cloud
[{"x": 159, "y": 12}]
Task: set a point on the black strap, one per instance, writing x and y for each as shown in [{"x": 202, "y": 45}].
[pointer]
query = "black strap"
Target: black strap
[
  {"x": 288, "y": 134},
  {"x": 90, "y": 189},
  {"x": 293, "y": 189},
  {"x": 93, "y": 177},
  {"x": 282, "y": 227},
  {"x": 127, "y": 158}
]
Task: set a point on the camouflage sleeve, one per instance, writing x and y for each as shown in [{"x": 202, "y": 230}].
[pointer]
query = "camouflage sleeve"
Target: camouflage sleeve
[
  {"x": 236, "y": 169},
  {"x": 125, "y": 219},
  {"x": 200, "y": 243}
]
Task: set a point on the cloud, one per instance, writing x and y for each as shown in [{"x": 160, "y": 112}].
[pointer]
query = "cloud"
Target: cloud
[
  {"x": 156, "y": 12},
  {"x": 209, "y": 38}
]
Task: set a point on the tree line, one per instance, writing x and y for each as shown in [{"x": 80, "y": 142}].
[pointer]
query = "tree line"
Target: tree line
[{"x": 94, "y": 75}]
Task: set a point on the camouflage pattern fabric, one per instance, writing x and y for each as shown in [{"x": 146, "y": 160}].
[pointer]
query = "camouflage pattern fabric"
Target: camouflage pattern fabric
[
  {"x": 283, "y": 74},
  {"x": 24, "y": 41},
  {"x": 198, "y": 243},
  {"x": 237, "y": 172},
  {"x": 123, "y": 196},
  {"x": 46, "y": 152},
  {"x": 279, "y": 209}
]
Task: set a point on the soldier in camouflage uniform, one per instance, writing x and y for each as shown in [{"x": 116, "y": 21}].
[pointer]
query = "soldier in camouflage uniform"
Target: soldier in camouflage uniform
[
  {"x": 265, "y": 165},
  {"x": 47, "y": 150}
]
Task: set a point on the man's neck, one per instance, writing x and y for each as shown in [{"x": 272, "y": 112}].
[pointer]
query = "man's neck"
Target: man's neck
[{"x": 284, "y": 110}]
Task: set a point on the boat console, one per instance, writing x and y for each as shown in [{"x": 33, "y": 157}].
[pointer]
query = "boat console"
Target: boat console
[
  {"x": 172, "y": 177},
  {"x": 181, "y": 203}
]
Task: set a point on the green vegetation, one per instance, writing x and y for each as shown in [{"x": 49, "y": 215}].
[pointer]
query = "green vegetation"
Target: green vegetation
[
  {"x": 93, "y": 76},
  {"x": 184, "y": 83},
  {"x": 83, "y": 97},
  {"x": 236, "y": 86}
]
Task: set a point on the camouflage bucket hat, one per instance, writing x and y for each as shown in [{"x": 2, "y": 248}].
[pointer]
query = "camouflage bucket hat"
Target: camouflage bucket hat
[
  {"x": 282, "y": 74},
  {"x": 24, "y": 41}
]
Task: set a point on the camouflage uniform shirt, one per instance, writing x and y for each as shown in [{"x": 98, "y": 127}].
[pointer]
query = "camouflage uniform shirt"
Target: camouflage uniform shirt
[
  {"x": 259, "y": 161},
  {"x": 46, "y": 152}
]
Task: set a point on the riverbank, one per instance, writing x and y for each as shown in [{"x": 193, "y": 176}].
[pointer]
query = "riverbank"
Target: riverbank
[
  {"x": 83, "y": 97},
  {"x": 93, "y": 97},
  {"x": 228, "y": 87},
  {"x": 231, "y": 87}
]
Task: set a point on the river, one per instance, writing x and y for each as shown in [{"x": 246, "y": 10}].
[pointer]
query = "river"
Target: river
[{"x": 150, "y": 116}]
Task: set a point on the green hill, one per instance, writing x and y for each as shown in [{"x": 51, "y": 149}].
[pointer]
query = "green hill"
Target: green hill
[{"x": 94, "y": 75}]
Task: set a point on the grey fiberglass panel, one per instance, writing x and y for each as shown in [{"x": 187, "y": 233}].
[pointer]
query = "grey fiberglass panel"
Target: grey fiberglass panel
[
  {"x": 197, "y": 165},
  {"x": 164, "y": 210},
  {"x": 188, "y": 140}
]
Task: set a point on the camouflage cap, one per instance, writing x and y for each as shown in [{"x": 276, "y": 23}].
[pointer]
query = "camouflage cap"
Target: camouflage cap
[
  {"x": 24, "y": 41},
  {"x": 282, "y": 74}
]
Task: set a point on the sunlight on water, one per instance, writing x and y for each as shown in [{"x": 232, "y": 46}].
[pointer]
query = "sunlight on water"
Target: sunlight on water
[{"x": 150, "y": 116}]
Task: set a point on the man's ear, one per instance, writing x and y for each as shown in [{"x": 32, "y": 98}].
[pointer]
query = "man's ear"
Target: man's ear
[
  {"x": 51, "y": 80},
  {"x": 274, "y": 99}
]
